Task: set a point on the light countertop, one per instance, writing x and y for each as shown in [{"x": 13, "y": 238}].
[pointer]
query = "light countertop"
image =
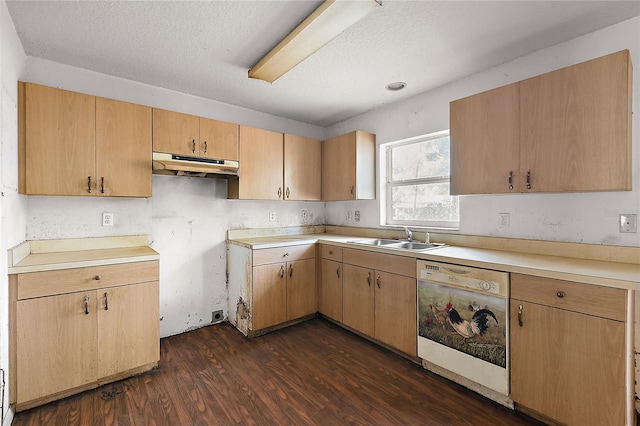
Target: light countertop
[
  {"x": 48, "y": 255},
  {"x": 609, "y": 274}
]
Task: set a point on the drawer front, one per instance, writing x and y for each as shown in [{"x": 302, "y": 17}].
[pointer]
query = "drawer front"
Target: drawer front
[
  {"x": 283, "y": 254},
  {"x": 332, "y": 252},
  {"x": 400, "y": 265},
  {"x": 47, "y": 283},
  {"x": 605, "y": 302}
]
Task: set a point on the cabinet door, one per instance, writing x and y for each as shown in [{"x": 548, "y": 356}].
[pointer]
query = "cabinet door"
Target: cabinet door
[
  {"x": 358, "y": 299},
  {"x": 56, "y": 344},
  {"x": 301, "y": 288},
  {"x": 59, "y": 141},
  {"x": 123, "y": 149},
  {"x": 175, "y": 133},
  {"x": 485, "y": 142},
  {"x": 261, "y": 164},
  {"x": 269, "y": 295},
  {"x": 331, "y": 289},
  {"x": 302, "y": 168},
  {"x": 568, "y": 366},
  {"x": 576, "y": 127},
  {"x": 218, "y": 139},
  {"x": 128, "y": 327},
  {"x": 339, "y": 168},
  {"x": 395, "y": 311}
]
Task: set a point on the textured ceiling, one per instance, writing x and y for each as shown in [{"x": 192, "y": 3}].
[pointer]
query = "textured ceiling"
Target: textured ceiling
[{"x": 205, "y": 48}]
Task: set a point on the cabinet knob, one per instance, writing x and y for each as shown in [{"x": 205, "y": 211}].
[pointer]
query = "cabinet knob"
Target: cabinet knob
[
  {"x": 89, "y": 184},
  {"x": 353, "y": 191},
  {"x": 279, "y": 192},
  {"x": 291, "y": 270},
  {"x": 102, "y": 185},
  {"x": 511, "y": 181},
  {"x": 288, "y": 193},
  {"x": 338, "y": 272},
  {"x": 193, "y": 146},
  {"x": 528, "y": 179},
  {"x": 97, "y": 277},
  {"x": 330, "y": 251},
  {"x": 560, "y": 294},
  {"x": 285, "y": 255},
  {"x": 282, "y": 271},
  {"x": 378, "y": 280},
  {"x": 106, "y": 301},
  {"x": 205, "y": 147},
  {"x": 86, "y": 305}
]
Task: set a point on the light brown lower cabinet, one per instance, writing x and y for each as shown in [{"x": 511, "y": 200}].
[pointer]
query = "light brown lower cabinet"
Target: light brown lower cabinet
[
  {"x": 330, "y": 288},
  {"x": 283, "y": 285},
  {"x": 568, "y": 351},
  {"x": 75, "y": 329},
  {"x": 379, "y": 297}
]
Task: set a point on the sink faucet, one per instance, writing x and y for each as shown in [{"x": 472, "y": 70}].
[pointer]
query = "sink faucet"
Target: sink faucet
[{"x": 408, "y": 232}]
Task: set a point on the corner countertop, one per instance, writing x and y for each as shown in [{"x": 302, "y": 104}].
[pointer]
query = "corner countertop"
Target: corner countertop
[
  {"x": 597, "y": 272},
  {"x": 49, "y": 255}
]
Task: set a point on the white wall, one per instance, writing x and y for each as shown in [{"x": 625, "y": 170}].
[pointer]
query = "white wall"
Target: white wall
[
  {"x": 584, "y": 217},
  {"x": 12, "y": 205},
  {"x": 186, "y": 219}
]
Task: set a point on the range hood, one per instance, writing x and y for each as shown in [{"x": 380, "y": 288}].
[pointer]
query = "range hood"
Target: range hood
[{"x": 184, "y": 165}]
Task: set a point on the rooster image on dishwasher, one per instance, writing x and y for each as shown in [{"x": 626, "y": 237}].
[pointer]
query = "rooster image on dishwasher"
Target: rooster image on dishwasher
[{"x": 467, "y": 321}]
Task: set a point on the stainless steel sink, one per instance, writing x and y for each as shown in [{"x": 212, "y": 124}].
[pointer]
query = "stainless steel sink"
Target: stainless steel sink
[
  {"x": 397, "y": 244},
  {"x": 414, "y": 245},
  {"x": 375, "y": 242}
]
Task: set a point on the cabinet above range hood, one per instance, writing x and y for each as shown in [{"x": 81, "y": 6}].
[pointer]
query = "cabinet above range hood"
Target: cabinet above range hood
[{"x": 184, "y": 165}]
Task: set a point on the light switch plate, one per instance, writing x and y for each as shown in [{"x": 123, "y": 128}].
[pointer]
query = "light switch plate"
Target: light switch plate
[{"x": 629, "y": 223}]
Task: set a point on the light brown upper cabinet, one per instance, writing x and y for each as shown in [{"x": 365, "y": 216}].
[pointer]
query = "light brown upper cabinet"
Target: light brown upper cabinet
[
  {"x": 348, "y": 167},
  {"x": 276, "y": 166},
  {"x": 183, "y": 134},
  {"x": 75, "y": 144},
  {"x": 302, "y": 168},
  {"x": 564, "y": 131}
]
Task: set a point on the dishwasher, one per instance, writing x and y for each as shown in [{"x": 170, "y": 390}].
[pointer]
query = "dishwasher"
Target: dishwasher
[{"x": 463, "y": 326}]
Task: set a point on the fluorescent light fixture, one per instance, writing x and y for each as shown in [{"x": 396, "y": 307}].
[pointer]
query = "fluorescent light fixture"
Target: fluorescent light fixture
[{"x": 319, "y": 28}]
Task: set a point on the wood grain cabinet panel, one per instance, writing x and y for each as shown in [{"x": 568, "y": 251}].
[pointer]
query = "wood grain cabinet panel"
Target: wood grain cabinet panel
[
  {"x": 261, "y": 166},
  {"x": 566, "y": 366},
  {"x": 277, "y": 166},
  {"x": 123, "y": 148},
  {"x": 485, "y": 142},
  {"x": 283, "y": 285},
  {"x": 86, "y": 334},
  {"x": 330, "y": 303},
  {"x": 58, "y": 141},
  {"x": 184, "y": 134},
  {"x": 348, "y": 167},
  {"x": 379, "y": 300},
  {"x": 302, "y": 168},
  {"x": 564, "y": 131},
  {"x": 76, "y": 144}
]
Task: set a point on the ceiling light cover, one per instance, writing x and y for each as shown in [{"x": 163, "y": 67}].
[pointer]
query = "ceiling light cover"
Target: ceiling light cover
[
  {"x": 398, "y": 85},
  {"x": 322, "y": 26}
]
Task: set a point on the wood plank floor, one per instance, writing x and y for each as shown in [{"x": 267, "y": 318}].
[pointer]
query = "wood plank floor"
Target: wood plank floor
[{"x": 314, "y": 373}]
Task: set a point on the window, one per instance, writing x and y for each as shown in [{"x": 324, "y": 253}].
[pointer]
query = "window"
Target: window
[{"x": 417, "y": 192}]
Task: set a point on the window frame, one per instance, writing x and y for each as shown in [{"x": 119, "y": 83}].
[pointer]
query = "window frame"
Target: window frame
[{"x": 390, "y": 185}]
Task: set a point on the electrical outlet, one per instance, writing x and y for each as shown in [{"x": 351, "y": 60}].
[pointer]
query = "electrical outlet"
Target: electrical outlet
[
  {"x": 272, "y": 216},
  {"x": 304, "y": 215},
  {"x": 216, "y": 316},
  {"x": 357, "y": 216},
  {"x": 629, "y": 223},
  {"x": 350, "y": 215},
  {"x": 107, "y": 219},
  {"x": 503, "y": 220}
]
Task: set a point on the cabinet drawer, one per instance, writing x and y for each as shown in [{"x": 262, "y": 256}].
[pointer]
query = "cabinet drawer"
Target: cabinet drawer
[
  {"x": 400, "y": 265},
  {"x": 47, "y": 283},
  {"x": 283, "y": 254},
  {"x": 332, "y": 252},
  {"x": 588, "y": 299}
]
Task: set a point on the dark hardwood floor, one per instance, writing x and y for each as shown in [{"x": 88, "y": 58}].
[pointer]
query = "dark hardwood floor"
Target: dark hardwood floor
[{"x": 314, "y": 373}]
